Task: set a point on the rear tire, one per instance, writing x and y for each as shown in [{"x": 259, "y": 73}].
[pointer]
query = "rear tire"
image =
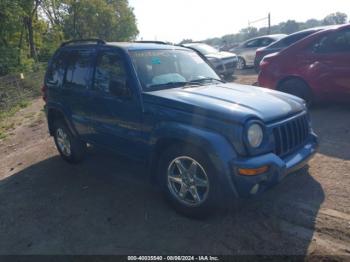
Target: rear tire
[
  {"x": 241, "y": 64},
  {"x": 174, "y": 167},
  {"x": 298, "y": 88},
  {"x": 71, "y": 148}
]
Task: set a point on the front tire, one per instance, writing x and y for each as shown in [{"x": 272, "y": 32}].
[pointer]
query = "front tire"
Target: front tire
[
  {"x": 228, "y": 77},
  {"x": 188, "y": 181},
  {"x": 71, "y": 148}
]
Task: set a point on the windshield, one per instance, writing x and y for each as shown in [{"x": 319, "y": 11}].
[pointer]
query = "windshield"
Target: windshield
[
  {"x": 161, "y": 69},
  {"x": 205, "y": 49}
]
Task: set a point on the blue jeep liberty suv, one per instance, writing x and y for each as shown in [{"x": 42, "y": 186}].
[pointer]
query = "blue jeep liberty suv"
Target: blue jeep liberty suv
[{"x": 164, "y": 105}]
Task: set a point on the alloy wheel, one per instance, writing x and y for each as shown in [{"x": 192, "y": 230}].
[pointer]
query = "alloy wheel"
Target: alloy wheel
[
  {"x": 188, "y": 181},
  {"x": 63, "y": 142}
]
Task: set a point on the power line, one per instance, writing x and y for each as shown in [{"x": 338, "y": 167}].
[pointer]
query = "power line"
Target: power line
[{"x": 268, "y": 18}]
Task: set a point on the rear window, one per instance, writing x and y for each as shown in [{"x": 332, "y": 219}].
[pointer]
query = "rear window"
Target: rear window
[
  {"x": 252, "y": 43},
  {"x": 295, "y": 38},
  {"x": 266, "y": 41},
  {"x": 291, "y": 39}
]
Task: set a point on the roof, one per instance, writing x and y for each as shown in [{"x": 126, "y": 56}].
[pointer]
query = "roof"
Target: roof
[
  {"x": 127, "y": 46},
  {"x": 318, "y": 28},
  {"x": 131, "y": 46},
  {"x": 274, "y": 36}
]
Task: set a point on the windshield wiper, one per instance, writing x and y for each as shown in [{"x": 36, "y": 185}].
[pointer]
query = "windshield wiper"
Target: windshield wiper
[
  {"x": 184, "y": 83},
  {"x": 168, "y": 84},
  {"x": 205, "y": 79}
]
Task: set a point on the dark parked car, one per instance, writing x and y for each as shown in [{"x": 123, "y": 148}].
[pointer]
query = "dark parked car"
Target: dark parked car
[
  {"x": 246, "y": 51},
  {"x": 223, "y": 62},
  {"x": 283, "y": 43},
  {"x": 317, "y": 68},
  {"x": 203, "y": 140}
]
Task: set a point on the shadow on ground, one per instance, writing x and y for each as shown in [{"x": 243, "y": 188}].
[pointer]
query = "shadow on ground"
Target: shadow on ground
[
  {"x": 107, "y": 206},
  {"x": 331, "y": 122}
]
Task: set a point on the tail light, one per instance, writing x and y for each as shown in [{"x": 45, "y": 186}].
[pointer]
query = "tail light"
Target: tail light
[
  {"x": 258, "y": 53},
  {"x": 264, "y": 63},
  {"x": 43, "y": 92},
  {"x": 268, "y": 60}
]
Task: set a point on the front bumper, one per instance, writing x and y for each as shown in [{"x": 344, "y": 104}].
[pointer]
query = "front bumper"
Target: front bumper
[
  {"x": 279, "y": 168},
  {"x": 226, "y": 67}
]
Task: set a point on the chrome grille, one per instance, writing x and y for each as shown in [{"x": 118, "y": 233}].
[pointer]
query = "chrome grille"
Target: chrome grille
[{"x": 290, "y": 135}]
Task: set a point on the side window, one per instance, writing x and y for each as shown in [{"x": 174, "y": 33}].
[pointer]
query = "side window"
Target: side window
[
  {"x": 337, "y": 42},
  {"x": 78, "y": 69},
  {"x": 55, "y": 74},
  {"x": 109, "y": 69},
  {"x": 252, "y": 43},
  {"x": 265, "y": 41}
]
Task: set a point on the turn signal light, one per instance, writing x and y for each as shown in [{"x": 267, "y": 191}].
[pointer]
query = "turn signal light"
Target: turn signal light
[{"x": 253, "y": 171}]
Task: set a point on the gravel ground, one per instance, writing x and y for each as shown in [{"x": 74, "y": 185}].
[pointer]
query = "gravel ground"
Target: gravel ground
[{"x": 107, "y": 206}]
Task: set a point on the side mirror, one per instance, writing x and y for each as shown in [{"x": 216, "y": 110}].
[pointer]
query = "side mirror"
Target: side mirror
[{"x": 119, "y": 88}]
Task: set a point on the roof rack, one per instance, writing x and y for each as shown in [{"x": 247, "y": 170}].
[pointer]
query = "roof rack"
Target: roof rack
[
  {"x": 152, "y": 42},
  {"x": 98, "y": 41}
]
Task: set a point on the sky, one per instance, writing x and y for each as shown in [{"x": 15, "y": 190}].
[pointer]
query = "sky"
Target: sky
[{"x": 175, "y": 20}]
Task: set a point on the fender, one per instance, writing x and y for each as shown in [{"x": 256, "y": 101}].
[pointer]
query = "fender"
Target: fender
[
  {"x": 64, "y": 112},
  {"x": 218, "y": 148}
]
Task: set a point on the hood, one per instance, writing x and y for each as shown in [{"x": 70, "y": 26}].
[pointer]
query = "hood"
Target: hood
[
  {"x": 221, "y": 55},
  {"x": 231, "y": 102}
]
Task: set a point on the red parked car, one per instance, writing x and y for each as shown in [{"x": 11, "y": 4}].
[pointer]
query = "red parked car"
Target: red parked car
[{"x": 316, "y": 68}]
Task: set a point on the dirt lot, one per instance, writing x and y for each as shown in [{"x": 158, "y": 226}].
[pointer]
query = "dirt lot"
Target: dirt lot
[{"x": 107, "y": 206}]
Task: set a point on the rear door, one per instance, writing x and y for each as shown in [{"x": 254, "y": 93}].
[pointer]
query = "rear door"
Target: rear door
[
  {"x": 332, "y": 55},
  {"x": 74, "y": 93},
  {"x": 117, "y": 112},
  {"x": 250, "y": 50}
]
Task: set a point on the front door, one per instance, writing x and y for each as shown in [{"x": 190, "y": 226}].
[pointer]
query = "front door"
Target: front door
[
  {"x": 116, "y": 108},
  {"x": 332, "y": 53}
]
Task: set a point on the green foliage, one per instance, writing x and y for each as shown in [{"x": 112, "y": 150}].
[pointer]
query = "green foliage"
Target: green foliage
[
  {"x": 289, "y": 27},
  {"x": 31, "y": 30},
  {"x": 335, "y": 19},
  {"x": 111, "y": 20}
]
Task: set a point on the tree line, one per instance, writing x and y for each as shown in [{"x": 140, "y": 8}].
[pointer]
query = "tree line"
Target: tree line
[
  {"x": 31, "y": 30},
  {"x": 287, "y": 27}
]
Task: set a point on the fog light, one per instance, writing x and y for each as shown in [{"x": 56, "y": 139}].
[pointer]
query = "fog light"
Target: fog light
[{"x": 253, "y": 171}]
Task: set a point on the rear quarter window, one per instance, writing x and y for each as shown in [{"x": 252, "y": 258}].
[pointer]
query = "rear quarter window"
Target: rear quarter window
[
  {"x": 55, "y": 73},
  {"x": 266, "y": 41}
]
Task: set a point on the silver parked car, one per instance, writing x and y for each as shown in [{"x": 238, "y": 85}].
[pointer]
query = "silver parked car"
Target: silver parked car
[
  {"x": 246, "y": 50},
  {"x": 224, "y": 62}
]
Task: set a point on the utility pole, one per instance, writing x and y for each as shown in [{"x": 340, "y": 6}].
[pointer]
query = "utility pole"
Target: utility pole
[{"x": 268, "y": 18}]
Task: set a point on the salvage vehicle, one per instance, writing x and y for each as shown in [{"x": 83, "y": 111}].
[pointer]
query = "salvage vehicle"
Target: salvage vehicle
[
  {"x": 283, "y": 43},
  {"x": 316, "y": 68},
  {"x": 224, "y": 62},
  {"x": 246, "y": 50},
  {"x": 204, "y": 141}
]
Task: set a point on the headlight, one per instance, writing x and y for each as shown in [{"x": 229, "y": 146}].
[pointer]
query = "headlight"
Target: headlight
[{"x": 255, "y": 135}]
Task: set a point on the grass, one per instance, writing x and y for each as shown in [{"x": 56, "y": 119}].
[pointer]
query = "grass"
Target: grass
[
  {"x": 5, "y": 122},
  {"x": 30, "y": 85}
]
